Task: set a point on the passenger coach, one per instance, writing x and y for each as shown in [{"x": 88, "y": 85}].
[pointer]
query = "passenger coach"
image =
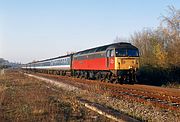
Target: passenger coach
[{"x": 59, "y": 65}]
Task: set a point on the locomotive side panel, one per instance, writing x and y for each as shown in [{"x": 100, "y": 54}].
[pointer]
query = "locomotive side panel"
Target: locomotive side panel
[
  {"x": 93, "y": 61},
  {"x": 93, "y": 64}
]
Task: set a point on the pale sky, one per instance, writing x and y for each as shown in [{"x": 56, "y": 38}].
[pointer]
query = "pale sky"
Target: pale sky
[{"x": 39, "y": 29}]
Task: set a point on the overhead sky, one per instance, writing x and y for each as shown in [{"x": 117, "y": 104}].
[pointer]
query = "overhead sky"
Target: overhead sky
[{"x": 39, "y": 29}]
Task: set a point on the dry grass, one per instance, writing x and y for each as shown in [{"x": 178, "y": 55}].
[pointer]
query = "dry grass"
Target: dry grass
[
  {"x": 172, "y": 85},
  {"x": 26, "y": 99},
  {"x": 2, "y": 88}
]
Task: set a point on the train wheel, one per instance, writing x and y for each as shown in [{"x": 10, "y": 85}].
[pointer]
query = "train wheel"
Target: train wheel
[
  {"x": 115, "y": 81},
  {"x": 64, "y": 73},
  {"x": 91, "y": 75},
  {"x": 81, "y": 75},
  {"x": 122, "y": 80},
  {"x": 77, "y": 74},
  {"x": 98, "y": 76},
  {"x": 87, "y": 75}
]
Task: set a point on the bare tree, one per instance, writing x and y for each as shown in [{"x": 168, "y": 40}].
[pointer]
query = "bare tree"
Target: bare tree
[
  {"x": 161, "y": 47},
  {"x": 170, "y": 28}
]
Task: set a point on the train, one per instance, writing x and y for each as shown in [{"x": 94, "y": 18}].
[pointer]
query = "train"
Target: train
[{"x": 114, "y": 63}]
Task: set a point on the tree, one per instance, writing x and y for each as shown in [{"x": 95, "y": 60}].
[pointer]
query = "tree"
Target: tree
[
  {"x": 170, "y": 29},
  {"x": 160, "y": 47}
]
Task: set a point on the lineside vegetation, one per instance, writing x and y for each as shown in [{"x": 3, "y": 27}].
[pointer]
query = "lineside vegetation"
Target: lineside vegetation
[{"x": 160, "y": 50}]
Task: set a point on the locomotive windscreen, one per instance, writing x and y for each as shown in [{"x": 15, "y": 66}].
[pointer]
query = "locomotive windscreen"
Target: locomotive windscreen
[{"x": 127, "y": 52}]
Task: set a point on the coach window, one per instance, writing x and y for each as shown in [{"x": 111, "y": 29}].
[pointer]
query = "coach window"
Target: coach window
[{"x": 112, "y": 53}]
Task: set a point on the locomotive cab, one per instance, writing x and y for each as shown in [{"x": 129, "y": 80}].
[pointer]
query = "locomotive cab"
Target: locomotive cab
[{"x": 125, "y": 58}]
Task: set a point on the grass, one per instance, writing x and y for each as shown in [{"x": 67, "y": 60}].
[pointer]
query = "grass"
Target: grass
[
  {"x": 172, "y": 85},
  {"x": 27, "y": 99}
]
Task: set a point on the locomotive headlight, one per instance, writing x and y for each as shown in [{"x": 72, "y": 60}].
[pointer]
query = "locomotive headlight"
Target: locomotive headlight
[{"x": 130, "y": 67}]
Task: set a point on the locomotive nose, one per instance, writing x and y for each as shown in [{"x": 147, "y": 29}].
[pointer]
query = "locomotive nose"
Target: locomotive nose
[{"x": 127, "y": 63}]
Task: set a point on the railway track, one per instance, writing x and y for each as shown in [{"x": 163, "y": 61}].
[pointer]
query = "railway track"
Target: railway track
[
  {"x": 147, "y": 96},
  {"x": 144, "y": 98}
]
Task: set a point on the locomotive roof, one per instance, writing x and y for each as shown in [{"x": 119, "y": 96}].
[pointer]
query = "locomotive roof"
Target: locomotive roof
[
  {"x": 109, "y": 46},
  {"x": 122, "y": 45}
]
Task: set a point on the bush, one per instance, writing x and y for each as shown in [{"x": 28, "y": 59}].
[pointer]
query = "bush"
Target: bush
[{"x": 157, "y": 75}]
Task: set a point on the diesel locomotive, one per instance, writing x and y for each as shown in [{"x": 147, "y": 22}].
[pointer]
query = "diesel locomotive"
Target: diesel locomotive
[{"x": 115, "y": 63}]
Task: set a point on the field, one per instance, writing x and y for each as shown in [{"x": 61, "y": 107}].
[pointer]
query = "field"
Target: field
[{"x": 26, "y": 99}]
